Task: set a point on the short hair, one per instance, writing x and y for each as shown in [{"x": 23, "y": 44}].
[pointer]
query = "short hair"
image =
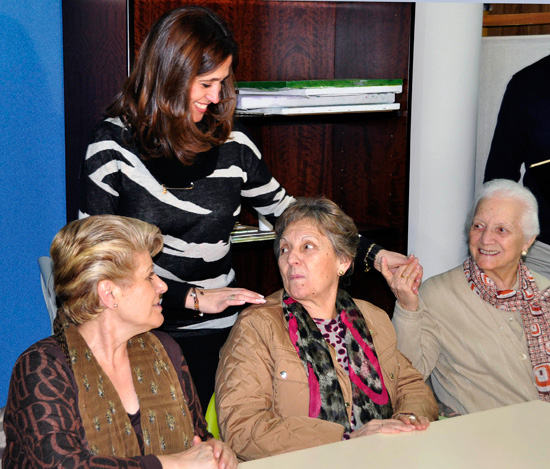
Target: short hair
[
  {"x": 154, "y": 101},
  {"x": 508, "y": 189},
  {"x": 329, "y": 219},
  {"x": 96, "y": 248}
]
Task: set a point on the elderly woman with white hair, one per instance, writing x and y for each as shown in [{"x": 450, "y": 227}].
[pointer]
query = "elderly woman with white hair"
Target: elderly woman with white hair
[{"x": 481, "y": 331}]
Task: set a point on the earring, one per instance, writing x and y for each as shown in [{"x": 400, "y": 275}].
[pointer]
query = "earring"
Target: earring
[
  {"x": 115, "y": 306},
  {"x": 524, "y": 253},
  {"x": 341, "y": 272}
]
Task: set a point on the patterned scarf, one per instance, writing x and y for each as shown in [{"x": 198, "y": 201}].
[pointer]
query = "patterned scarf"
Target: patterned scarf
[
  {"x": 165, "y": 420},
  {"x": 326, "y": 401},
  {"x": 534, "y": 307}
]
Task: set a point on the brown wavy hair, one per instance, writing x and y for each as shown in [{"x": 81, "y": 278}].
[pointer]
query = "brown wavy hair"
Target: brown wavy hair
[
  {"x": 154, "y": 102},
  {"x": 329, "y": 219},
  {"x": 96, "y": 248}
]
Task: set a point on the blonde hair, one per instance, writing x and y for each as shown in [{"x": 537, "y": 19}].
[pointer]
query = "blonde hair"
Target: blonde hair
[{"x": 96, "y": 248}]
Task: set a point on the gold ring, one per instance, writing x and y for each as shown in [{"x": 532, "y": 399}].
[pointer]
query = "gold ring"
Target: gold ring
[
  {"x": 232, "y": 297},
  {"x": 404, "y": 276}
]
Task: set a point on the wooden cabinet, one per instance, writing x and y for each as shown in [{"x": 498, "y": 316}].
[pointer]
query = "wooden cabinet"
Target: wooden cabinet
[{"x": 358, "y": 160}]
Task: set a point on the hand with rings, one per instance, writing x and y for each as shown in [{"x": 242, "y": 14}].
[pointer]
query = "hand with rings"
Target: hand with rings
[
  {"x": 404, "y": 282},
  {"x": 401, "y": 423},
  {"x": 418, "y": 422},
  {"x": 217, "y": 300}
]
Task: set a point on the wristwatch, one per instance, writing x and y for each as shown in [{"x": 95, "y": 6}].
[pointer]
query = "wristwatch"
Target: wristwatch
[{"x": 372, "y": 251}]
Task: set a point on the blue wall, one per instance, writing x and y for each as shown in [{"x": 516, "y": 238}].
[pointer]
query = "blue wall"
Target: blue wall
[{"x": 32, "y": 173}]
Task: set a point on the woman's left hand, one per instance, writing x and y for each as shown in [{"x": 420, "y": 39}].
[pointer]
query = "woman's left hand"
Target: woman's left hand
[
  {"x": 395, "y": 260},
  {"x": 419, "y": 422},
  {"x": 381, "y": 426},
  {"x": 404, "y": 282},
  {"x": 225, "y": 456}
]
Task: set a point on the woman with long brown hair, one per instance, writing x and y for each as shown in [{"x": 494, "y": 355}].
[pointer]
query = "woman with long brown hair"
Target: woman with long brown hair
[{"x": 169, "y": 153}]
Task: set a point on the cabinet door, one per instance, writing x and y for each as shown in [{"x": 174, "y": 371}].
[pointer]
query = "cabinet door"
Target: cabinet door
[{"x": 95, "y": 62}]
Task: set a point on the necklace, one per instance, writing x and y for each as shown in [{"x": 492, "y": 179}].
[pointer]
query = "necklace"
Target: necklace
[{"x": 165, "y": 189}]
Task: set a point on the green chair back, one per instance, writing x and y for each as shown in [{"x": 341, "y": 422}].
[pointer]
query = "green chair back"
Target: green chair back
[{"x": 212, "y": 418}]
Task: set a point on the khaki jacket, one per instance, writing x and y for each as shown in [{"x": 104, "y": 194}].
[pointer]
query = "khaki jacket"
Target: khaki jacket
[{"x": 262, "y": 391}]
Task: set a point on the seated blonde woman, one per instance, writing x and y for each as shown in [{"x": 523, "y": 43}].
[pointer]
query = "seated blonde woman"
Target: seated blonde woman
[
  {"x": 481, "y": 331},
  {"x": 312, "y": 365},
  {"x": 104, "y": 391}
]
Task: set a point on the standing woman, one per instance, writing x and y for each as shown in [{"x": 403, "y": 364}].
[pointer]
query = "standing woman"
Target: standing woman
[{"x": 168, "y": 153}]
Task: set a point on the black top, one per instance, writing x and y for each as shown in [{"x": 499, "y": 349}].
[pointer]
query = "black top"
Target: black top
[{"x": 522, "y": 135}]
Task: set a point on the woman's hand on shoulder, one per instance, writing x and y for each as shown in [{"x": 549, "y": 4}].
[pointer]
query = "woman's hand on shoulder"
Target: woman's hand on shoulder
[
  {"x": 199, "y": 456},
  {"x": 216, "y": 300},
  {"x": 404, "y": 282}
]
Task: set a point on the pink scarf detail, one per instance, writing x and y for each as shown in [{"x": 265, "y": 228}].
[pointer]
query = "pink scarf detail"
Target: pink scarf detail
[{"x": 381, "y": 398}]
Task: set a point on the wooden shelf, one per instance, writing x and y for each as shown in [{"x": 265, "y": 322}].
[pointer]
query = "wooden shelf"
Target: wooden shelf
[
  {"x": 518, "y": 19},
  {"x": 313, "y": 110}
]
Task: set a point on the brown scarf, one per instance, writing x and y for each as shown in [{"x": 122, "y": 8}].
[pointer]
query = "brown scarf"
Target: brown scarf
[
  {"x": 165, "y": 420},
  {"x": 534, "y": 307}
]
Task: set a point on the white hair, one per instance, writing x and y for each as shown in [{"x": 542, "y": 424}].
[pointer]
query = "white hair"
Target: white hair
[{"x": 507, "y": 189}]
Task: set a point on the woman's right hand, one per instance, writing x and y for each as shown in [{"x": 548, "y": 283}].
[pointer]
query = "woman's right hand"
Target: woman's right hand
[
  {"x": 217, "y": 300},
  {"x": 404, "y": 282},
  {"x": 199, "y": 456},
  {"x": 382, "y": 426}
]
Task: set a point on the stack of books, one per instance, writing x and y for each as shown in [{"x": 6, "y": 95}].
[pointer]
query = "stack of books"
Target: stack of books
[
  {"x": 316, "y": 96},
  {"x": 247, "y": 233}
]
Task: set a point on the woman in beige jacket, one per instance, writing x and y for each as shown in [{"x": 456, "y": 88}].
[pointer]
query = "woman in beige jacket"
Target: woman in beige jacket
[{"x": 312, "y": 365}]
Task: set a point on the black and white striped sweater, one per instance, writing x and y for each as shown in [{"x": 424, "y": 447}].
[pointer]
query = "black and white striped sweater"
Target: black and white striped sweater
[{"x": 195, "y": 207}]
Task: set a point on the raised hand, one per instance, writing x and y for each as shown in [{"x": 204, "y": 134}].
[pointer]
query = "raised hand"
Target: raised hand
[
  {"x": 394, "y": 261},
  {"x": 404, "y": 281}
]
